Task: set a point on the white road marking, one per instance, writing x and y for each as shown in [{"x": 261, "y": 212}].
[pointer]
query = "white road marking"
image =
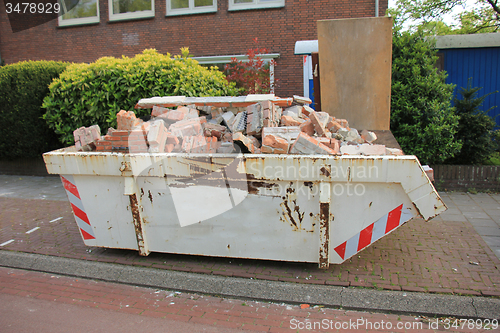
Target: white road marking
[
  {"x": 7, "y": 242},
  {"x": 34, "y": 229}
]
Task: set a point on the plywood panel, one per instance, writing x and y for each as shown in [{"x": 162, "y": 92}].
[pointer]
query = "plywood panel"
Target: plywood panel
[{"x": 355, "y": 57}]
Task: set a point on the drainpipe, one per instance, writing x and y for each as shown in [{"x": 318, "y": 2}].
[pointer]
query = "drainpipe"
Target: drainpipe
[{"x": 376, "y": 8}]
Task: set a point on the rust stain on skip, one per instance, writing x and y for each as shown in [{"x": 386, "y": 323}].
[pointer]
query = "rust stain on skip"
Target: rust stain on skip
[
  {"x": 291, "y": 212},
  {"x": 136, "y": 217},
  {"x": 324, "y": 234},
  {"x": 325, "y": 171}
]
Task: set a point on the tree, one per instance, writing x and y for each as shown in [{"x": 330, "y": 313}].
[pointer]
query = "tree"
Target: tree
[
  {"x": 422, "y": 118},
  {"x": 476, "y": 128},
  {"x": 483, "y": 17}
]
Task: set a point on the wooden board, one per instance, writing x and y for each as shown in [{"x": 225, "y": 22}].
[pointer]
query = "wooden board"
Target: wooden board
[{"x": 355, "y": 59}]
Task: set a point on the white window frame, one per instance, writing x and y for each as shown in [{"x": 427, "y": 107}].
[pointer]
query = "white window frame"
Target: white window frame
[
  {"x": 256, "y": 4},
  {"x": 226, "y": 59},
  {"x": 131, "y": 15},
  {"x": 191, "y": 10},
  {"x": 79, "y": 21}
]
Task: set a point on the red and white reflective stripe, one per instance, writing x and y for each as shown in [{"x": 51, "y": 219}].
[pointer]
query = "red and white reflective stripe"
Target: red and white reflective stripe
[
  {"x": 374, "y": 231},
  {"x": 81, "y": 217}
]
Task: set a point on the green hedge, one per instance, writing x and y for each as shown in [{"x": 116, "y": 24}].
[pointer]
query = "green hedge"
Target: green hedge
[
  {"x": 87, "y": 94},
  {"x": 23, "y": 86}
]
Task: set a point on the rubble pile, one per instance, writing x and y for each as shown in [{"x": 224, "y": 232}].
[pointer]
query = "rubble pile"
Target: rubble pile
[{"x": 259, "y": 127}]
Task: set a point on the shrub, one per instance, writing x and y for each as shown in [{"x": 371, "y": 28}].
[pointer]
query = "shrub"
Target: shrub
[
  {"x": 23, "y": 86},
  {"x": 422, "y": 118},
  {"x": 476, "y": 128},
  {"x": 87, "y": 94}
]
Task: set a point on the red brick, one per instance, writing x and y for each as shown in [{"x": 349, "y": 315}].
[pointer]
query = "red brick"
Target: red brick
[
  {"x": 344, "y": 123},
  {"x": 216, "y": 130},
  {"x": 158, "y": 110},
  {"x": 157, "y": 137},
  {"x": 307, "y": 127},
  {"x": 305, "y": 144},
  {"x": 333, "y": 126},
  {"x": 274, "y": 144},
  {"x": 319, "y": 127},
  {"x": 190, "y": 127},
  {"x": 289, "y": 121},
  {"x": 245, "y": 142},
  {"x": 127, "y": 120}
]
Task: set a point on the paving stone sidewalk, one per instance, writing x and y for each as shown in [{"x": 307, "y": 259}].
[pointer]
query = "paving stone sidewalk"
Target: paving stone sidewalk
[
  {"x": 445, "y": 255},
  {"x": 198, "y": 312}
]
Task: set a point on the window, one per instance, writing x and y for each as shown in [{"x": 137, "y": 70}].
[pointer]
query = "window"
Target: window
[
  {"x": 78, "y": 12},
  {"x": 255, "y": 4},
  {"x": 130, "y": 9},
  {"x": 221, "y": 61},
  {"x": 184, "y": 7}
]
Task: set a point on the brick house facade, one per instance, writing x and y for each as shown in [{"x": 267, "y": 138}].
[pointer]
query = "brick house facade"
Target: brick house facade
[{"x": 223, "y": 30}]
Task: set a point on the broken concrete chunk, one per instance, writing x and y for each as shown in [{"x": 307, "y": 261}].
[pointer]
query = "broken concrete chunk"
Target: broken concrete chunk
[
  {"x": 228, "y": 118},
  {"x": 289, "y": 133},
  {"x": 255, "y": 141},
  {"x": 290, "y": 121},
  {"x": 368, "y": 136},
  {"x": 210, "y": 129},
  {"x": 334, "y": 144},
  {"x": 202, "y": 144},
  {"x": 157, "y": 137},
  {"x": 86, "y": 138},
  {"x": 245, "y": 144},
  {"x": 187, "y": 143},
  {"x": 353, "y": 136},
  {"x": 239, "y": 123},
  {"x": 254, "y": 120},
  {"x": 429, "y": 172},
  {"x": 343, "y": 123},
  {"x": 323, "y": 117},
  {"x": 307, "y": 145},
  {"x": 363, "y": 149},
  {"x": 226, "y": 148},
  {"x": 301, "y": 100},
  {"x": 393, "y": 151},
  {"x": 190, "y": 127},
  {"x": 296, "y": 110},
  {"x": 319, "y": 121}
]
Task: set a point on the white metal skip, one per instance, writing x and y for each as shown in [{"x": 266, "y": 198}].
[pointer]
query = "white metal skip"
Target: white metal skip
[{"x": 280, "y": 207}]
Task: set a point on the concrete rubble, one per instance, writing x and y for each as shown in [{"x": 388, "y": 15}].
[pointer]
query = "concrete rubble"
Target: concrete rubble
[{"x": 251, "y": 124}]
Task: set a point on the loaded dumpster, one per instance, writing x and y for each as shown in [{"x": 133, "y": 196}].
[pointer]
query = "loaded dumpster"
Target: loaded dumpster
[
  {"x": 302, "y": 186},
  {"x": 302, "y": 208}
]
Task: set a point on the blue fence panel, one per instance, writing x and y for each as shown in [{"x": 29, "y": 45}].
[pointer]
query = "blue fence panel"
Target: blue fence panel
[{"x": 480, "y": 64}]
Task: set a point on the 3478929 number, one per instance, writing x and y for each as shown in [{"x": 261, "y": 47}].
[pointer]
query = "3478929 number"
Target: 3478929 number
[
  {"x": 33, "y": 8},
  {"x": 471, "y": 324}
]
